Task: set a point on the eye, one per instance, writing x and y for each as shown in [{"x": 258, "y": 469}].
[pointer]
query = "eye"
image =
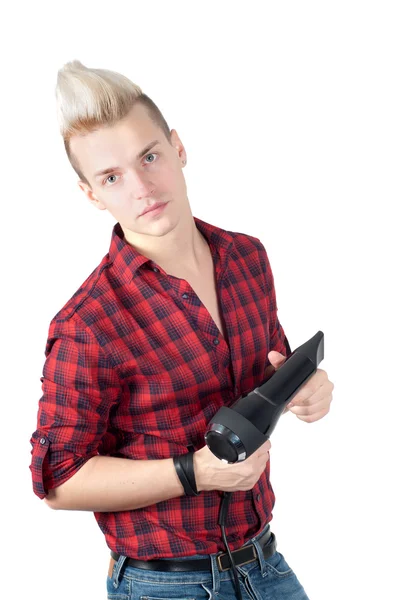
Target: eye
[
  {"x": 151, "y": 154},
  {"x": 106, "y": 180}
]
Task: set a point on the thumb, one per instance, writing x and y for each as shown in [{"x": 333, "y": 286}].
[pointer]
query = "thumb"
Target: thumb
[{"x": 276, "y": 359}]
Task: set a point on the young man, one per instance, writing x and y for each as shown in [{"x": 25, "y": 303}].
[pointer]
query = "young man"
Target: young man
[{"x": 178, "y": 319}]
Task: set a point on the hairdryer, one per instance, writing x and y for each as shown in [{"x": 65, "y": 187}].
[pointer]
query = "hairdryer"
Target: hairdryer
[{"x": 235, "y": 433}]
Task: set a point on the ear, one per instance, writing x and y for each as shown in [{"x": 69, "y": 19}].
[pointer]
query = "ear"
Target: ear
[
  {"x": 90, "y": 195},
  {"x": 178, "y": 145}
]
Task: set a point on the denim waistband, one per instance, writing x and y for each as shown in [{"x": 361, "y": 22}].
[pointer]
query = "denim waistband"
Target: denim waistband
[{"x": 215, "y": 575}]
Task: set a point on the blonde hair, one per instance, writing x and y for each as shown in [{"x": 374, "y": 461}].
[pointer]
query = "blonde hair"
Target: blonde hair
[{"x": 88, "y": 99}]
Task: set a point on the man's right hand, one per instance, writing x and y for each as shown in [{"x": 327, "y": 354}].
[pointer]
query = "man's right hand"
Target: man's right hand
[{"x": 213, "y": 474}]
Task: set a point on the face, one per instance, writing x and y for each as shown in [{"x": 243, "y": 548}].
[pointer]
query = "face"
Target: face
[{"x": 137, "y": 176}]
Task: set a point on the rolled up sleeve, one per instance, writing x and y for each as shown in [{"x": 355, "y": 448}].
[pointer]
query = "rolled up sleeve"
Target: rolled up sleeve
[{"x": 80, "y": 386}]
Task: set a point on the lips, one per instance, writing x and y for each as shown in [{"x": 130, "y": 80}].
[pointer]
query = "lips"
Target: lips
[{"x": 149, "y": 208}]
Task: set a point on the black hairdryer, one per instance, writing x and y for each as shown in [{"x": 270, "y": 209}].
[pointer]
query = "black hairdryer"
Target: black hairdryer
[{"x": 235, "y": 433}]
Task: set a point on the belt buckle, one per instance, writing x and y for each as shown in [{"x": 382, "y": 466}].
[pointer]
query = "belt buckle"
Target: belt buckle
[{"x": 220, "y": 567}]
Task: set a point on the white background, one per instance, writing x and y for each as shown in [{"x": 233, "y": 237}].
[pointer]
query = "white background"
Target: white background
[{"x": 288, "y": 112}]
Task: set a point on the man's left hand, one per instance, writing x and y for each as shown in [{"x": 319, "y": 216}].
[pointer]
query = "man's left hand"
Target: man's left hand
[{"x": 312, "y": 401}]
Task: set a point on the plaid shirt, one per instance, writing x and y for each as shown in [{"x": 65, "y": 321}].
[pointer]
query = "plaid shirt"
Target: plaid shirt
[{"x": 136, "y": 367}]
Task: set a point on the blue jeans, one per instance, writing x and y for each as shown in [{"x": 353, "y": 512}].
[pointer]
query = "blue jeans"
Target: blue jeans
[{"x": 270, "y": 579}]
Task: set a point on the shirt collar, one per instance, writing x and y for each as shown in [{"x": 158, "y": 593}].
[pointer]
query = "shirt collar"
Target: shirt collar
[{"x": 126, "y": 260}]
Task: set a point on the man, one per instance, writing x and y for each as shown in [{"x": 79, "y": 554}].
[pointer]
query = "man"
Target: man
[{"x": 178, "y": 319}]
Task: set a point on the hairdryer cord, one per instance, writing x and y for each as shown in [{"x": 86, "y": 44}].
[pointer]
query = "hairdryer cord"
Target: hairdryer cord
[{"x": 221, "y": 521}]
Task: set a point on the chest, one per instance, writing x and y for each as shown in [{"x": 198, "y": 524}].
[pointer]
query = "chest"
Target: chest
[
  {"x": 205, "y": 287},
  {"x": 206, "y": 290}
]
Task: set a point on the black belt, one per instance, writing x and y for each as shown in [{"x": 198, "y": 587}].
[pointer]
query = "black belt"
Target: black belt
[{"x": 241, "y": 556}]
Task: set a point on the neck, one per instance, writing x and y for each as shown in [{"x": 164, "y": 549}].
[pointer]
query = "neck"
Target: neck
[{"x": 183, "y": 248}]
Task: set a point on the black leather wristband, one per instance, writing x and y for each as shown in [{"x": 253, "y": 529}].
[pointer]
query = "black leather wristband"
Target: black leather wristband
[
  {"x": 182, "y": 476},
  {"x": 187, "y": 464},
  {"x": 184, "y": 469}
]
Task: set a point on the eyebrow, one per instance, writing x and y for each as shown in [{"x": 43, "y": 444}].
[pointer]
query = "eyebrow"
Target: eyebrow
[{"x": 139, "y": 155}]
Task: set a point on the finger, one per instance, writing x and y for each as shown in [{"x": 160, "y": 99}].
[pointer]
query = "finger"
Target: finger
[
  {"x": 261, "y": 455},
  {"x": 315, "y": 416},
  {"x": 308, "y": 396},
  {"x": 313, "y": 407},
  {"x": 263, "y": 458}
]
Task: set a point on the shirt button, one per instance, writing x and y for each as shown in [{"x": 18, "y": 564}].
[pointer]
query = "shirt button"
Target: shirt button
[
  {"x": 216, "y": 341},
  {"x": 185, "y": 296},
  {"x": 43, "y": 441},
  {"x": 258, "y": 497},
  {"x": 156, "y": 269}
]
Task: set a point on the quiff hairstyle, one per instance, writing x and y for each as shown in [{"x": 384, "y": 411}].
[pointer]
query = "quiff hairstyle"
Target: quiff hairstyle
[{"x": 88, "y": 99}]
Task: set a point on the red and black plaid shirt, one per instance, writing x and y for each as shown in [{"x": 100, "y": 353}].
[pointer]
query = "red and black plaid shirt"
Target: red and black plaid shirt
[{"x": 136, "y": 367}]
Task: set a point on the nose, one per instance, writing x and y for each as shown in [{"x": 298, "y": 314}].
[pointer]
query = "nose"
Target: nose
[{"x": 141, "y": 186}]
